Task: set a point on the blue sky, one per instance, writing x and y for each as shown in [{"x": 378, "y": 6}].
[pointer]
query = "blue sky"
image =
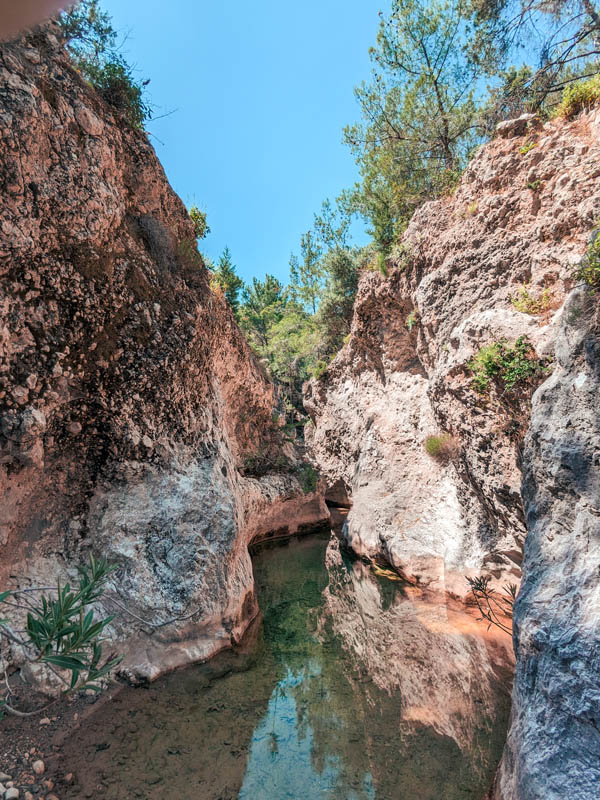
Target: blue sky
[{"x": 262, "y": 91}]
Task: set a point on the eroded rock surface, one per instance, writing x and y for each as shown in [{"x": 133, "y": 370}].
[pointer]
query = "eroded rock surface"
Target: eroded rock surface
[
  {"x": 553, "y": 749},
  {"x": 129, "y": 400},
  {"x": 518, "y": 221}
]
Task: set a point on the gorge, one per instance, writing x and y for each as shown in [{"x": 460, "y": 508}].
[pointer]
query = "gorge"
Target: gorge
[{"x": 133, "y": 414}]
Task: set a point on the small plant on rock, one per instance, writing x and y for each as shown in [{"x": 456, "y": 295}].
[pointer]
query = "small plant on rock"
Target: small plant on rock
[
  {"x": 61, "y": 629},
  {"x": 412, "y": 319},
  {"x": 442, "y": 447},
  {"x": 201, "y": 226},
  {"x": 588, "y": 271},
  {"x": 528, "y": 304},
  {"x": 510, "y": 366},
  {"x": 578, "y": 96},
  {"x": 526, "y": 148},
  {"x": 496, "y": 608}
]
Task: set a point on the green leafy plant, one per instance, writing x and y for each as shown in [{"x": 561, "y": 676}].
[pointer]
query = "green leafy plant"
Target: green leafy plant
[
  {"x": 441, "y": 447},
  {"x": 534, "y": 186},
  {"x": 510, "y": 366},
  {"x": 411, "y": 319},
  {"x": 472, "y": 208},
  {"x": 588, "y": 271},
  {"x": 527, "y": 147},
  {"x": 308, "y": 478},
  {"x": 61, "y": 629},
  {"x": 496, "y": 608},
  {"x": 528, "y": 304},
  {"x": 319, "y": 370},
  {"x": 201, "y": 226},
  {"x": 578, "y": 96}
]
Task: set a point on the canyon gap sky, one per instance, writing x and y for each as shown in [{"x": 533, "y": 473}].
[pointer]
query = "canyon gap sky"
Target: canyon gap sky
[{"x": 261, "y": 92}]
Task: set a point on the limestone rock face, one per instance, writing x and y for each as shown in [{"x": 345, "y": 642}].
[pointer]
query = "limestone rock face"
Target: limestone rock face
[
  {"x": 553, "y": 748},
  {"x": 129, "y": 400},
  {"x": 469, "y": 266}
]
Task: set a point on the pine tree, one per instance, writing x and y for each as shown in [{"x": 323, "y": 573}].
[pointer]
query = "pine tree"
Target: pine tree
[
  {"x": 307, "y": 276},
  {"x": 226, "y": 278}
]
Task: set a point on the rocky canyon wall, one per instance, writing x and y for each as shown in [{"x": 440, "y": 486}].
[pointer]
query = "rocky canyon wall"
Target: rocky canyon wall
[
  {"x": 519, "y": 221},
  {"x": 129, "y": 400},
  {"x": 468, "y": 274},
  {"x": 553, "y": 748}
]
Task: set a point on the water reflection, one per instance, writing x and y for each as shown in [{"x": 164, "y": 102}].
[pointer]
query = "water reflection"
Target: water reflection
[{"x": 347, "y": 690}]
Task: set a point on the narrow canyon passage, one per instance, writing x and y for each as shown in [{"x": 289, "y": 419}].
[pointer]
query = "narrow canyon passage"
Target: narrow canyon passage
[{"x": 345, "y": 687}]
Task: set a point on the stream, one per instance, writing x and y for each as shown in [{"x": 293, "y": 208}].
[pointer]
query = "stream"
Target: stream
[{"x": 349, "y": 687}]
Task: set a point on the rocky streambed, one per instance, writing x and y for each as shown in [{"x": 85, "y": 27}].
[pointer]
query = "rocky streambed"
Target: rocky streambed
[{"x": 348, "y": 685}]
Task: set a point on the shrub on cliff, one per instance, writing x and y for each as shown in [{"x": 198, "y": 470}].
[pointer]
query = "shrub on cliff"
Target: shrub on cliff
[
  {"x": 92, "y": 44},
  {"x": 442, "y": 447},
  {"x": 578, "y": 96},
  {"x": 201, "y": 226},
  {"x": 509, "y": 366},
  {"x": 589, "y": 269},
  {"x": 527, "y": 303}
]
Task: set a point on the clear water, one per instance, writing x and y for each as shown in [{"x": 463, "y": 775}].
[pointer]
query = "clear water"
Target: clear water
[{"x": 346, "y": 689}]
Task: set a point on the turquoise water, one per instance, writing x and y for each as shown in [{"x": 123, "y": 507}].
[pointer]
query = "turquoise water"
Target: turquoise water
[{"x": 346, "y": 689}]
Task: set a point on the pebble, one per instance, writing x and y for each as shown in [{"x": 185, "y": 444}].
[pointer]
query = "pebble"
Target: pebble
[
  {"x": 45, "y": 721},
  {"x": 11, "y": 794},
  {"x": 4, "y": 777},
  {"x": 39, "y": 767},
  {"x": 29, "y": 796}
]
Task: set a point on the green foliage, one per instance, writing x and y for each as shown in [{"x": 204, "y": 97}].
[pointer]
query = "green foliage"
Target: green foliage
[
  {"x": 319, "y": 370},
  {"x": 509, "y": 366},
  {"x": 226, "y": 279},
  {"x": 419, "y": 114},
  {"x": 441, "y": 447},
  {"x": 201, "y": 226},
  {"x": 62, "y": 630},
  {"x": 528, "y": 304},
  {"x": 332, "y": 225},
  {"x": 91, "y": 41},
  {"x": 578, "y": 96},
  {"x": 588, "y": 271},
  {"x": 334, "y": 317},
  {"x": 263, "y": 305},
  {"x": 494, "y": 607},
  {"x": 559, "y": 40},
  {"x": 306, "y": 273},
  {"x": 295, "y": 343},
  {"x": 411, "y": 319},
  {"x": 534, "y": 186},
  {"x": 527, "y": 147},
  {"x": 308, "y": 478}
]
